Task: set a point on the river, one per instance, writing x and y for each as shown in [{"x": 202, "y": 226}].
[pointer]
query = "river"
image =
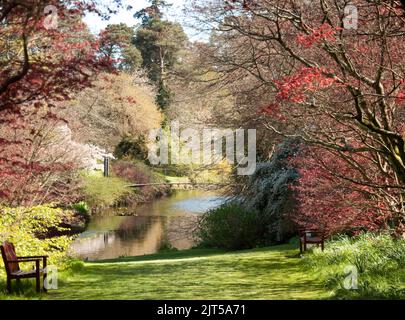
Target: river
[{"x": 164, "y": 223}]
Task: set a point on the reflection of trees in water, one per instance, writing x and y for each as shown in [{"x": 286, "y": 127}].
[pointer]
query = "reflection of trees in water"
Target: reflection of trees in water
[
  {"x": 91, "y": 246},
  {"x": 133, "y": 237},
  {"x": 175, "y": 231},
  {"x": 180, "y": 231},
  {"x": 138, "y": 227},
  {"x": 138, "y": 236}
]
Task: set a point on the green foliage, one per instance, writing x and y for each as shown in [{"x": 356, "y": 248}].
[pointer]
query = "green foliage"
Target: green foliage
[
  {"x": 154, "y": 11},
  {"x": 82, "y": 208},
  {"x": 379, "y": 260},
  {"x": 231, "y": 227},
  {"x": 163, "y": 97},
  {"x": 74, "y": 266},
  {"x": 116, "y": 43},
  {"x": 160, "y": 43},
  {"x": 25, "y": 227},
  {"x": 104, "y": 192},
  {"x": 215, "y": 175},
  {"x": 133, "y": 148}
]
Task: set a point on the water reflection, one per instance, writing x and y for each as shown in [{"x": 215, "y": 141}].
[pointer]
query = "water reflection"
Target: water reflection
[{"x": 165, "y": 221}]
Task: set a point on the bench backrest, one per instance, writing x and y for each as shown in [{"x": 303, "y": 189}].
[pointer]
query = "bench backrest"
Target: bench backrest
[
  {"x": 8, "y": 254},
  {"x": 312, "y": 231}
]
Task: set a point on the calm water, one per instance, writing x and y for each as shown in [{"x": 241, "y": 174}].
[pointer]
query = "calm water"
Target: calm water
[{"x": 162, "y": 223}]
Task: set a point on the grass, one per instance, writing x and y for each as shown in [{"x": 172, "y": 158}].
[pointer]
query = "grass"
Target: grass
[
  {"x": 170, "y": 179},
  {"x": 104, "y": 192},
  {"x": 378, "y": 261},
  {"x": 267, "y": 273}
]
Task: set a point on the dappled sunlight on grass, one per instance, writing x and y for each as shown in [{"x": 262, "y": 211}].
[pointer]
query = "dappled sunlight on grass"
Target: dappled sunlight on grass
[{"x": 194, "y": 274}]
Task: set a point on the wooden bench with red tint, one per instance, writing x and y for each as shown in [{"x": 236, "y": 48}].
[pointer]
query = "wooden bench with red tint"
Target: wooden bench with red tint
[
  {"x": 12, "y": 265},
  {"x": 311, "y": 236}
]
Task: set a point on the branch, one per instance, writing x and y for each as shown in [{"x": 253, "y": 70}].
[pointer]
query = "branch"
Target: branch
[{"x": 26, "y": 66}]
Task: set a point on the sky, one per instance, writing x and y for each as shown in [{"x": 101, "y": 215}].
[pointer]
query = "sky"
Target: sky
[{"x": 175, "y": 13}]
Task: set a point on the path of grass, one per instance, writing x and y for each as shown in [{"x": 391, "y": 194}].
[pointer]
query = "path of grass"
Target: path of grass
[{"x": 271, "y": 273}]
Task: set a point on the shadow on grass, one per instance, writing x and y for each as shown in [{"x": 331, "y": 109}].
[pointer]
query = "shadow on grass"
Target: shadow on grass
[
  {"x": 263, "y": 273},
  {"x": 20, "y": 290},
  {"x": 194, "y": 253},
  {"x": 168, "y": 255}
]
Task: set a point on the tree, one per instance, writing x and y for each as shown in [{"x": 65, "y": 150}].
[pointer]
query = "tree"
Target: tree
[
  {"x": 160, "y": 43},
  {"x": 38, "y": 159},
  {"x": 116, "y": 44},
  {"x": 269, "y": 192},
  {"x": 39, "y": 68},
  {"x": 154, "y": 11},
  {"x": 39, "y": 62},
  {"x": 339, "y": 88},
  {"x": 118, "y": 106},
  {"x": 337, "y": 205}
]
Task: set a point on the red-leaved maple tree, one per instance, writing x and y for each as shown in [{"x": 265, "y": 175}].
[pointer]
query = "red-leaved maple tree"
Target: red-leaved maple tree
[
  {"x": 332, "y": 76},
  {"x": 327, "y": 200},
  {"x": 47, "y": 55}
]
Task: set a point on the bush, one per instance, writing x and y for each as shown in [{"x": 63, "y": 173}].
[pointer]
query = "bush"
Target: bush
[
  {"x": 140, "y": 173},
  {"x": 231, "y": 227},
  {"x": 133, "y": 148},
  {"x": 25, "y": 227},
  {"x": 379, "y": 260},
  {"x": 268, "y": 191},
  {"x": 132, "y": 171},
  {"x": 82, "y": 209}
]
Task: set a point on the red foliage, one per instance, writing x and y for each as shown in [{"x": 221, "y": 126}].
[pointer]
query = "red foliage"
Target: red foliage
[
  {"x": 326, "y": 200},
  {"x": 293, "y": 88},
  {"x": 40, "y": 69},
  {"x": 32, "y": 170},
  {"x": 400, "y": 99},
  {"x": 324, "y": 32},
  {"x": 135, "y": 173},
  {"x": 353, "y": 110},
  {"x": 131, "y": 172}
]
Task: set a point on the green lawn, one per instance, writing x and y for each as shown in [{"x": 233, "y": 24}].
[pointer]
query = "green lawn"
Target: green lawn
[
  {"x": 270, "y": 273},
  {"x": 273, "y": 273}
]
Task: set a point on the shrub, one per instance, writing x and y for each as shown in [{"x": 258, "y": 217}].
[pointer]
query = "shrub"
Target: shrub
[
  {"x": 82, "y": 209},
  {"x": 140, "y": 173},
  {"x": 379, "y": 260},
  {"x": 133, "y": 148},
  {"x": 268, "y": 191},
  {"x": 132, "y": 171},
  {"x": 24, "y": 226},
  {"x": 231, "y": 227}
]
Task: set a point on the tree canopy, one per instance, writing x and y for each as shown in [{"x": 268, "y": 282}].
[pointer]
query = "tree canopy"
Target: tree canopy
[{"x": 160, "y": 43}]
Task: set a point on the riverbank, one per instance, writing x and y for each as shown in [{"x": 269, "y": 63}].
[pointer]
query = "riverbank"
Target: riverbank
[
  {"x": 102, "y": 193},
  {"x": 164, "y": 223},
  {"x": 266, "y": 273}
]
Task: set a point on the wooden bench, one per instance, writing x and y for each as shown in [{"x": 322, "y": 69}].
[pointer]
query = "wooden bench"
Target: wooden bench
[
  {"x": 12, "y": 265},
  {"x": 311, "y": 236}
]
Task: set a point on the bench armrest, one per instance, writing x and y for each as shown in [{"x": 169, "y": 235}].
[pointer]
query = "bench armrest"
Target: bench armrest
[
  {"x": 24, "y": 260},
  {"x": 33, "y": 257}
]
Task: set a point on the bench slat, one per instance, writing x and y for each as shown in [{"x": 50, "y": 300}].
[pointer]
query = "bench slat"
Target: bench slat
[{"x": 26, "y": 272}]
